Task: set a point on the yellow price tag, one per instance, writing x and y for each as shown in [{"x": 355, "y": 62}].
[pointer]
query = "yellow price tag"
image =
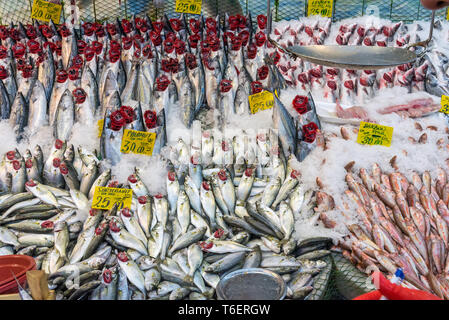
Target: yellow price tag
[
  {"x": 320, "y": 8},
  {"x": 445, "y": 104},
  {"x": 188, "y": 6},
  {"x": 100, "y": 125},
  {"x": 46, "y": 11},
  {"x": 138, "y": 142},
  {"x": 374, "y": 134},
  {"x": 447, "y": 15},
  {"x": 105, "y": 198},
  {"x": 261, "y": 101}
]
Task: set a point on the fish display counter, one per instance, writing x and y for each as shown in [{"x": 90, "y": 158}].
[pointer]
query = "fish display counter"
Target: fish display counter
[{"x": 154, "y": 158}]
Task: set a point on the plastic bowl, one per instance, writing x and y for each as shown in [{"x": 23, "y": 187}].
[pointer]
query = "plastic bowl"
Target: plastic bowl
[
  {"x": 14, "y": 264},
  {"x": 11, "y": 287},
  {"x": 251, "y": 284}
]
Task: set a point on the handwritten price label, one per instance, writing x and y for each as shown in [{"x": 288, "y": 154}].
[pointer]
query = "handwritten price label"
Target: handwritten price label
[
  {"x": 105, "y": 198},
  {"x": 261, "y": 101},
  {"x": 444, "y": 104},
  {"x": 374, "y": 134},
  {"x": 46, "y": 11},
  {"x": 188, "y": 6},
  {"x": 138, "y": 142},
  {"x": 320, "y": 8}
]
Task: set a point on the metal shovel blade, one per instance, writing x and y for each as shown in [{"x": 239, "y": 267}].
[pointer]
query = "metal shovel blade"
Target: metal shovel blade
[{"x": 354, "y": 57}]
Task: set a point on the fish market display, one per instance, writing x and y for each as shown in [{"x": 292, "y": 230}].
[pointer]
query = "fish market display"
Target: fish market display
[
  {"x": 224, "y": 189},
  {"x": 163, "y": 247},
  {"x": 392, "y": 217},
  {"x": 404, "y": 224}
]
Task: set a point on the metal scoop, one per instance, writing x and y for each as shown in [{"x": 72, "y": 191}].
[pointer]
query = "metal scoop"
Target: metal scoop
[{"x": 353, "y": 57}]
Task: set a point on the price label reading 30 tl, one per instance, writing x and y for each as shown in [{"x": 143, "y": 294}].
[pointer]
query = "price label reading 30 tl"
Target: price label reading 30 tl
[
  {"x": 320, "y": 8},
  {"x": 105, "y": 198},
  {"x": 138, "y": 142},
  {"x": 46, "y": 11},
  {"x": 444, "y": 104},
  {"x": 261, "y": 101},
  {"x": 374, "y": 134},
  {"x": 188, "y": 6}
]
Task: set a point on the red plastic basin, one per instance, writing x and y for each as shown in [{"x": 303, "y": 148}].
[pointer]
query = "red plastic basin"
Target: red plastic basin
[
  {"x": 11, "y": 287},
  {"x": 14, "y": 264}
]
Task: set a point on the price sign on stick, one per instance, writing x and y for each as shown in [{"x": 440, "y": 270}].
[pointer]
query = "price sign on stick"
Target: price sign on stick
[
  {"x": 46, "y": 11},
  {"x": 105, "y": 198},
  {"x": 138, "y": 142},
  {"x": 261, "y": 101},
  {"x": 320, "y": 8},
  {"x": 444, "y": 104},
  {"x": 188, "y": 6},
  {"x": 374, "y": 134}
]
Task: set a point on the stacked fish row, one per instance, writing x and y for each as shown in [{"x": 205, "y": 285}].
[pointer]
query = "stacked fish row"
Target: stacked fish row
[
  {"x": 59, "y": 76},
  {"x": 161, "y": 247},
  {"x": 403, "y": 223},
  {"x": 65, "y": 167},
  {"x": 353, "y": 87}
]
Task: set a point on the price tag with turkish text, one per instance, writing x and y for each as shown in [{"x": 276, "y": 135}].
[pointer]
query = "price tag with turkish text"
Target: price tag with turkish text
[
  {"x": 138, "y": 142},
  {"x": 374, "y": 134},
  {"x": 320, "y": 8},
  {"x": 46, "y": 11},
  {"x": 444, "y": 104},
  {"x": 261, "y": 101},
  {"x": 105, "y": 198},
  {"x": 188, "y": 6}
]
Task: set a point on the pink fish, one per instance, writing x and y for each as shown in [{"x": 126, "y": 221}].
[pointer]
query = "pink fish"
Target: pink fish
[
  {"x": 402, "y": 41},
  {"x": 348, "y": 27},
  {"x": 369, "y": 39},
  {"x": 386, "y": 80},
  {"x": 404, "y": 79},
  {"x": 304, "y": 80},
  {"x": 414, "y": 104},
  {"x": 365, "y": 88},
  {"x": 349, "y": 88},
  {"x": 343, "y": 38},
  {"x": 381, "y": 40},
  {"x": 351, "y": 113},
  {"x": 331, "y": 89}
]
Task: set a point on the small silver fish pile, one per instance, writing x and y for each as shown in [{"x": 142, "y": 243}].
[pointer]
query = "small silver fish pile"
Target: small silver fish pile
[
  {"x": 403, "y": 224},
  {"x": 65, "y": 168},
  {"x": 352, "y": 87},
  {"x": 163, "y": 247}
]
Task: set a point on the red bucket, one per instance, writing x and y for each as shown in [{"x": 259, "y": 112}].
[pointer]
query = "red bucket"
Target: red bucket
[{"x": 17, "y": 265}]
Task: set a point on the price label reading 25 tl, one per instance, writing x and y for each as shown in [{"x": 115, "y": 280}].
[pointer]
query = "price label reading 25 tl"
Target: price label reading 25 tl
[
  {"x": 138, "y": 142},
  {"x": 320, "y": 8},
  {"x": 188, "y": 6},
  {"x": 105, "y": 198},
  {"x": 261, "y": 101},
  {"x": 374, "y": 134}
]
